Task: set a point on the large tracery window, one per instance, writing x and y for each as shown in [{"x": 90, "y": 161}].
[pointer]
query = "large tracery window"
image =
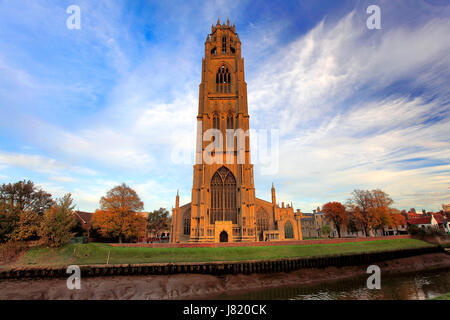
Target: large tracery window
[
  {"x": 223, "y": 196},
  {"x": 262, "y": 220},
  {"x": 288, "y": 230},
  {"x": 223, "y": 80}
]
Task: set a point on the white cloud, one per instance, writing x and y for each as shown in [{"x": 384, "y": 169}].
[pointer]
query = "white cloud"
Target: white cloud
[
  {"x": 41, "y": 164},
  {"x": 62, "y": 179}
]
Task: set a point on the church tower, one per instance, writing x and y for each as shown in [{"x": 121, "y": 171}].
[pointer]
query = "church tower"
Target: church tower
[
  {"x": 222, "y": 207},
  {"x": 223, "y": 193}
]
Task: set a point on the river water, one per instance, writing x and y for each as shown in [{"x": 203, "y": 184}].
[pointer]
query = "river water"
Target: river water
[
  {"x": 404, "y": 286},
  {"x": 411, "y": 286}
]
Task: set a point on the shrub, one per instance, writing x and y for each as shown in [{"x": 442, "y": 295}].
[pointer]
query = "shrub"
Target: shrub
[
  {"x": 413, "y": 229},
  {"x": 429, "y": 231},
  {"x": 10, "y": 250}
]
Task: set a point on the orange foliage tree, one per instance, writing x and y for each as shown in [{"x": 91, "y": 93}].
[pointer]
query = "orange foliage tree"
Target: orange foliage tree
[
  {"x": 397, "y": 219},
  {"x": 370, "y": 209},
  {"x": 118, "y": 216},
  {"x": 335, "y": 212},
  {"x": 379, "y": 218}
]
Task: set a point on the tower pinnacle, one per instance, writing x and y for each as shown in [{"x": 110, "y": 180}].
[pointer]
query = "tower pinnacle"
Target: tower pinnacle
[{"x": 274, "y": 198}]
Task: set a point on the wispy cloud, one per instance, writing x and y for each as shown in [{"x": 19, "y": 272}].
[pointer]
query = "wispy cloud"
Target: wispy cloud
[
  {"x": 352, "y": 106},
  {"x": 355, "y": 107}
]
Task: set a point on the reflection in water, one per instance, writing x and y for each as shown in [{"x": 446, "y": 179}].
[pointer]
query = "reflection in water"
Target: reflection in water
[
  {"x": 187, "y": 286},
  {"x": 422, "y": 285}
]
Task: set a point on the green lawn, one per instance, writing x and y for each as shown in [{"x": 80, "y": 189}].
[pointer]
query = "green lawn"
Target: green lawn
[
  {"x": 443, "y": 297},
  {"x": 97, "y": 253}
]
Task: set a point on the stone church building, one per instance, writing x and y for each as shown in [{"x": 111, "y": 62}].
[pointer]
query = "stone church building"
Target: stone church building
[{"x": 223, "y": 206}]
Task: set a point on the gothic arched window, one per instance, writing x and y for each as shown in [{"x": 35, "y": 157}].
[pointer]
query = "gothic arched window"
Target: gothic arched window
[
  {"x": 223, "y": 196},
  {"x": 216, "y": 121},
  {"x": 230, "y": 124},
  {"x": 187, "y": 222},
  {"x": 223, "y": 80},
  {"x": 216, "y": 198},
  {"x": 288, "y": 230}
]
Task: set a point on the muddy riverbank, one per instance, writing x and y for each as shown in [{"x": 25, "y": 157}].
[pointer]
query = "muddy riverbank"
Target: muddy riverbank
[
  {"x": 196, "y": 286},
  {"x": 417, "y": 285}
]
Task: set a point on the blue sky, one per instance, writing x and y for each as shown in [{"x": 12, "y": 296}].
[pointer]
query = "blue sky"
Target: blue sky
[{"x": 84, "y": 110}]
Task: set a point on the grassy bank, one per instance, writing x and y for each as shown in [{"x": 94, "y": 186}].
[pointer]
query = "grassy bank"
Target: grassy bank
[
  {"x": 97, "y": 253},
  {"x": 443, "y": 297}
]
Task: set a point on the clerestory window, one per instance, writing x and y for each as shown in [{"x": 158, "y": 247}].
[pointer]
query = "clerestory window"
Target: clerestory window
[{"x": 187, "y": 223}]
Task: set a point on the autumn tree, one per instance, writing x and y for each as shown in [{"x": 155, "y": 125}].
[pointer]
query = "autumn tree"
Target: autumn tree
[
  {"x": 118, "y": 216},
  {"x": 379, "y": 218},
  {"x": 353, "y": 224},
  {"x": 359, "y": 205},
  {"x": 335, "y": 212},
  {"x": 8, "y": 222},
  {"x": 25, "y": 196},
  {"x": 157, "y": 221},
  {"x": 27, "y": 226},
  {"x": 390, "y": 217},
  {"x": 58, "y": 222},
  {"x": 380, "y": 209},
  {"x": 368, "y": 208},
  {"x": 397, "y": 219},
  {"x": 22, "y": 205},
  {"x": 380, "y": 199}
]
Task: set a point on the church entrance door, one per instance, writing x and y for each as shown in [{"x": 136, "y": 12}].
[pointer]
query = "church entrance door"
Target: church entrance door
[{"x": 223, "y": 236}]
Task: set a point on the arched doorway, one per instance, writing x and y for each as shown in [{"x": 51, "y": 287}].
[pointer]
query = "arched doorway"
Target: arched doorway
[{"x": 223, "y": 236}]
